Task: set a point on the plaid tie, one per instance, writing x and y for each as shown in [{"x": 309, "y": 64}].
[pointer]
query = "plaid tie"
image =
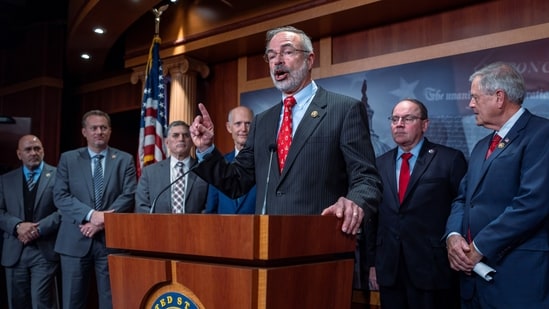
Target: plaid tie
[
  {"x": 98, "y": 180},
  {"x": 178, "y": 193},
  {"x": 30, "y": 181}
]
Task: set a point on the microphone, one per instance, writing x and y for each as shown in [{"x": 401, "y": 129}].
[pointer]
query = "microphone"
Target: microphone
[
  {"x": 153, "y": 204},
  {"x": 272, "y": 150}
]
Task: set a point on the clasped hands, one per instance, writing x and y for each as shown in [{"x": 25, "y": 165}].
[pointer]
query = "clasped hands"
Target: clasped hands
[
  {"x": 27, "y": 232},
  {"x": 95, "y": 225},
  {"x": 462, "y": 255}
]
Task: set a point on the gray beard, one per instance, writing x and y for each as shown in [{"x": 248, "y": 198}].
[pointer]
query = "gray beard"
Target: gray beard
[{"x": 293, "y": 81}]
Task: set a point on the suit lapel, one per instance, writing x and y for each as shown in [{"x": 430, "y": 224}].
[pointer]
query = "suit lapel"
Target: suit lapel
[
  {"x": 18, "y": 180},
  {"x": 164, "y": 179},
  {"x": 110, "y": 163},
  {"x": 426, "y": 155},
  {"x": 85, "y": 169},
  {"x": 311, "y": 119},
  {"x": 264, "y": 136},
  {"x": 45, "y": 179},
  {"x": 479, "y": 166},
  {"x": 390, "y": 175},
  {"x": 191, "y": 177}
]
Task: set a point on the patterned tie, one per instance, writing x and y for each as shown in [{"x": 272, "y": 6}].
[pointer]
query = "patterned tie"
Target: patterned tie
[
  {"x": 98, "y": 180},
  {"x": 178, "y": 193},
  {"x": 404, "y": 177},
  {"x": 285, "y": 134},
  {"x": 495, "y": 141},
  {"x": 30, "y": 181}
]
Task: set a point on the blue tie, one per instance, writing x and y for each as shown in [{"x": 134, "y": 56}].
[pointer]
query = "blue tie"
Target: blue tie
[
  {"x": 30, "y": 181},
  {"x": 98, "y": 180}
]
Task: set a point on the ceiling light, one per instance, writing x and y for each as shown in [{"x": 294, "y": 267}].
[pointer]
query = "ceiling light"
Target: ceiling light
[
  {"x": 99, "y": 30},
  {"x": 85, "y": 56}
]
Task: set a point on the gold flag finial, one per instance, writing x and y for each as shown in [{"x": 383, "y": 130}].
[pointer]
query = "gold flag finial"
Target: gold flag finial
[{"x": 157, "y": 12}]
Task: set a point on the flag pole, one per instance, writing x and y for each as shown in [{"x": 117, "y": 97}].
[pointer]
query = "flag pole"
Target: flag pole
[{"x": 154, "y": 111}]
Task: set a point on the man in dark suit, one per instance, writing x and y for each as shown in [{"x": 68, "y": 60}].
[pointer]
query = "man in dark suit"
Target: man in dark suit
[
  {"x": 329, "y": 168},
  {"x": 90, "y": 181},
  {"x": 238, "y": 125},
  {"x": 501, "y": 215},
  {"x": 410, "y": 265},
  {"x": 30, "y": 222},
  {"x": 155, "y": 179}
]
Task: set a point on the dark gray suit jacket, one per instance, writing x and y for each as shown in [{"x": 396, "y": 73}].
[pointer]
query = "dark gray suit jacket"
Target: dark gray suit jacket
[
  {"x": 73, "y": 194},
  {"x": 331, "y": 156},
  {"x": 12, "y": 212},
  {"x": 156, "y": 177}
]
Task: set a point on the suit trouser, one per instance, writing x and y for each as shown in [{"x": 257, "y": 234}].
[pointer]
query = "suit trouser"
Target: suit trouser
[
  {"x": 405, "y": 295},
  {"x": 76, "y": 274},
  {"x": 30, "y": 282}
]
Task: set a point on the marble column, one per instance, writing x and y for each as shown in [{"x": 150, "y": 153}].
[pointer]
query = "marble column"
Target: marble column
[{"x": 183, "y": 72}]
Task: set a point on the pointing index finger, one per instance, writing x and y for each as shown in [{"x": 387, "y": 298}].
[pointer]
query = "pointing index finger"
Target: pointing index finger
[{"x": 204, "y": 111}]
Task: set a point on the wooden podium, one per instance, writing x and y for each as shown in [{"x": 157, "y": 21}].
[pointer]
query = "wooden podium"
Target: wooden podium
[{"x": 229, "y": 261}]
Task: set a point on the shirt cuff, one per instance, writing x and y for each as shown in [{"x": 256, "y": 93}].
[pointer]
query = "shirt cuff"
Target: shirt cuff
[
  {"x": 200, "y": 155},
  {"x": 89, "y": 215}
]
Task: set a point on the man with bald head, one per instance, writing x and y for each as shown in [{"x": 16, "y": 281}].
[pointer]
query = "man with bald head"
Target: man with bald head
[
  {"x": 238, "y": 125},
  {"x": 420, "y": 180},
  {"x": 29, "y": 220}
]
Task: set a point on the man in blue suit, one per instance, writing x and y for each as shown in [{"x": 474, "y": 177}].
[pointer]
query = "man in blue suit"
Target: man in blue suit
[
  {"x": 81, "y": 238},
  {"x": 238, "y": 124},
  {"x": 501, "y": 215}
]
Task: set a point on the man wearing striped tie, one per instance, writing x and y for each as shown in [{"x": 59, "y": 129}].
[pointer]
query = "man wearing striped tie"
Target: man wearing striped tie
[
  {"x": 30, "y": 221},
  {"x": 90, "y": 181}
]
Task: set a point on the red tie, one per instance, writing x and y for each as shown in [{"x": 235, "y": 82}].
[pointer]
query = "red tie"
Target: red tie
[
  {"x": 495, "y": 141},
  {"x": 404, "y": 177},
  {"x": 285, "y": 134}
]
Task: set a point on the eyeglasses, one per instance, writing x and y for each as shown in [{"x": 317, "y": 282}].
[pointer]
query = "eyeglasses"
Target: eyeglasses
[
  {"x": 286, "y": 52},
  {"x": 405, "y": 119}
]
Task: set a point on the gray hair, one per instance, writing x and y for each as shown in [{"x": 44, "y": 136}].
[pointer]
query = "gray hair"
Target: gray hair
[
  {"x": 305, "y": 39},
  {"x": 501, "y": 76},
  {"x": 177, "y": 123}
]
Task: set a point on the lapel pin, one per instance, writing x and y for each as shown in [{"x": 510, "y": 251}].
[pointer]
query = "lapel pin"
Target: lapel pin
[
  {"x": 113, "y": 156},
  {"x": 48, "y": 174},
  {"x": 431, "y": 151},
  {"x": 503, "y": 143},
  {"x": 314, "y": 114}
]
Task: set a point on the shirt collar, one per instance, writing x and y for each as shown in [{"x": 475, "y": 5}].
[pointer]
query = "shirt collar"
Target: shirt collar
[
  {"x": 174, "y": 161},
  {"x": 305, "y": 95},
  {"x": 414, "y": 151},
  {"x": 38, "y": 170},
  {"x": 510, "y": 123},
  {"x": 93, "y": 154}
]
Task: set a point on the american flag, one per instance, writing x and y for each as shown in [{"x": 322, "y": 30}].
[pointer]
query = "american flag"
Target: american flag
[{"x": 153, "y": 126}]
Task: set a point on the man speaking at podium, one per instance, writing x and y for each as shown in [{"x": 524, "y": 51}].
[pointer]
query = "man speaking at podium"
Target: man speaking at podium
[{"x": 321, "y": 162}]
